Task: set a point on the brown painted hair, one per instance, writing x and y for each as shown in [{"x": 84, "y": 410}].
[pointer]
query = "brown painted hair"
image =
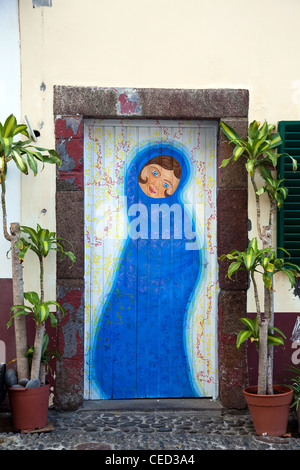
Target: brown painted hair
[{"x": 165, "y": 161}]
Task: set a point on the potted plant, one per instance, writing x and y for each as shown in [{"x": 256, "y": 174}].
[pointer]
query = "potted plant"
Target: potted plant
[
  {"x": 25, "y": 380},
  {"x": 259, "y": 151}
]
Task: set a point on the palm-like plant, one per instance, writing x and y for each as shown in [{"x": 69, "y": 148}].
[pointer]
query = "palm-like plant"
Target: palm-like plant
[
  {"x": 27, "y": 157},
  {"x": 263, "y": 262},
  {"x": 295, "y": 384},
  {"x": 259, "y": 151},
  {"x": 41, "y": 241}
]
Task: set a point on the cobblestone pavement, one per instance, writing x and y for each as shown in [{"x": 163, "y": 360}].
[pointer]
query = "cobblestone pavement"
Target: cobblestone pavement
[{"x": 136, "y": 430}]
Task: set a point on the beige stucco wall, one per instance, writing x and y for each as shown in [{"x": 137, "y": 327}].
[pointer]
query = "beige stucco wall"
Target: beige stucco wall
[{"x": 252, "y": 44}]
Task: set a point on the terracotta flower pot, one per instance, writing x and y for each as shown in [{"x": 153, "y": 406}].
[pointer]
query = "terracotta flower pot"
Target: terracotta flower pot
[
  {"x": 269, "y": 413},
  {"x": 29, "y": 407}
]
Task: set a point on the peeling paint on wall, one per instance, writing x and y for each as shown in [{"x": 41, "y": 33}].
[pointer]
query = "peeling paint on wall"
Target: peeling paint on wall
[
  {"x": 296, "y": 331},
  {"x": 41, "y": 3},
  {"x": 128, "y": 102}
]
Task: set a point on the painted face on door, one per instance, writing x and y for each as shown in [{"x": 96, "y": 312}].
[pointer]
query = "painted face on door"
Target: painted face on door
[{"x": 160, "y": 177}]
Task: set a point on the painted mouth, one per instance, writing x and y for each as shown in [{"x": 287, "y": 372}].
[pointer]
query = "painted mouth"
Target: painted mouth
[{"x": 152, "y": 189}]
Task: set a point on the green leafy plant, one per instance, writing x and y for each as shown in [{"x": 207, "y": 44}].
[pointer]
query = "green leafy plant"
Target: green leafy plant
[
  {"x": 18, "y": 147},
  {"x": 261, "y": 158},
  {"x": 39, "y": 310},
  {"x": 46, "y": 355},
  {"x": 295, "y": 384},
  {"x": 252, "y": 332},
  {"x": 40, "y": 241},
  {"x": 263, "y": 262},
  {"x": 22, "y": 152}
]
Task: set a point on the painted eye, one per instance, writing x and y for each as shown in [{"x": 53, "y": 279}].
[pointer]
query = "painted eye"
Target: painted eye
[
  {"x": 154, "y": 173},
  {"x": 166, "y": 185}
]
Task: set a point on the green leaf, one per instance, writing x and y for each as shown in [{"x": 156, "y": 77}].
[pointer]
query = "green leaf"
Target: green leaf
[
  {"x": 19, "y": 310},
  {"x": 265, "y": 172},
  {"x": 45, "y": 343},
  {"x": 249, "y": 259},
  {"x": 242, "y": 336},
  {"x": 53, "y": 320},
  {"x": 237, "y": 152},
  {"x": 261, "y": 191},
  {"x": 225, "y": 162},
  {"x": 32, "y": 297},
  {"x": 54, "y": 157},
  {"x": 251, "y": 324},
  {"x": 9, "y": 126},
  {"x": 253, "y": 129},
  {"x": 46, "y": 246},
  {"x": 263, "y": 131},
  {"x": 259, "y": 148},
  {"x": 37, "y": 155},
  {"x": 31, "y": 233},
  {"x": 23, "y": 246},
  {"x": 277, "y": 331},
  {"x": 233, "y": 268},
  {"x": 32, "y": 163},
  {"x": 20, "y": 129},
  {"x": 291, "y": 275},
  {"x": 294, "y": 162},
  {"x": 275, "y": 141},
  {"x": 267, "y": 278},
  {"x": 43, "y": 312},
  {"x": 71, "y": 255},
  {"x": 275, "y": 340},
  {"x": 250, "y": 167},
  {"x": 53, "y": 302},
  {"x": 7, "y": 145},
  {"x": 19, "y": 161},
  {"x": 273, "y": 157},
  {"x": 253, "y": 245},
  {"x": 229, "y": 131},
  {"x": 270, "y": 267}
]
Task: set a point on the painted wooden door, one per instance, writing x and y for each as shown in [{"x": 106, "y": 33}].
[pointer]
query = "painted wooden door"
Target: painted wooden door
[{"x": 151, "y": 276}]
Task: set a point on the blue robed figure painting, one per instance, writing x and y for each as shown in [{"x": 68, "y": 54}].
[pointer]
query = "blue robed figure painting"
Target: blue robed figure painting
[{"x": 140, "y": 345}]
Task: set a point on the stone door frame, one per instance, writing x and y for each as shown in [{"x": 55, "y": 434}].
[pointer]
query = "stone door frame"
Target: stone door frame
[{"x": 74, "y": 104}]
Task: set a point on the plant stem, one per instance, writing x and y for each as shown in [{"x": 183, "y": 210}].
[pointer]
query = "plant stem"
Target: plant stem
[
  {"x": 257, "y": 201},
  {"x": 37, "y": 352},
  {"x": 256, "y": 297},
  {"x": 18, "y": 296},
  {"x": 18, "y": 299},
  {"x": 39, "y": 332},
  {"x": 265, "y": 366},
  {"x": 263, "y": 358},
  {"x": 3, "y": 204},
  {"x": 41, "y": 261}
]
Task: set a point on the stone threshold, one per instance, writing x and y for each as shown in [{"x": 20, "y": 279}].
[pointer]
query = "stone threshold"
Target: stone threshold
[{"x": 152, "y": 404}]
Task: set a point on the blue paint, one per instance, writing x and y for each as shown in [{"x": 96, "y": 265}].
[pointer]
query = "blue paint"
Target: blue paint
[{"x": 139, "y": 348}]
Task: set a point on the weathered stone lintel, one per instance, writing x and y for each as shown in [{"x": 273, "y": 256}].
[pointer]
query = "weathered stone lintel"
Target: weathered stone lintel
[{"x": 151, "y": 103}]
